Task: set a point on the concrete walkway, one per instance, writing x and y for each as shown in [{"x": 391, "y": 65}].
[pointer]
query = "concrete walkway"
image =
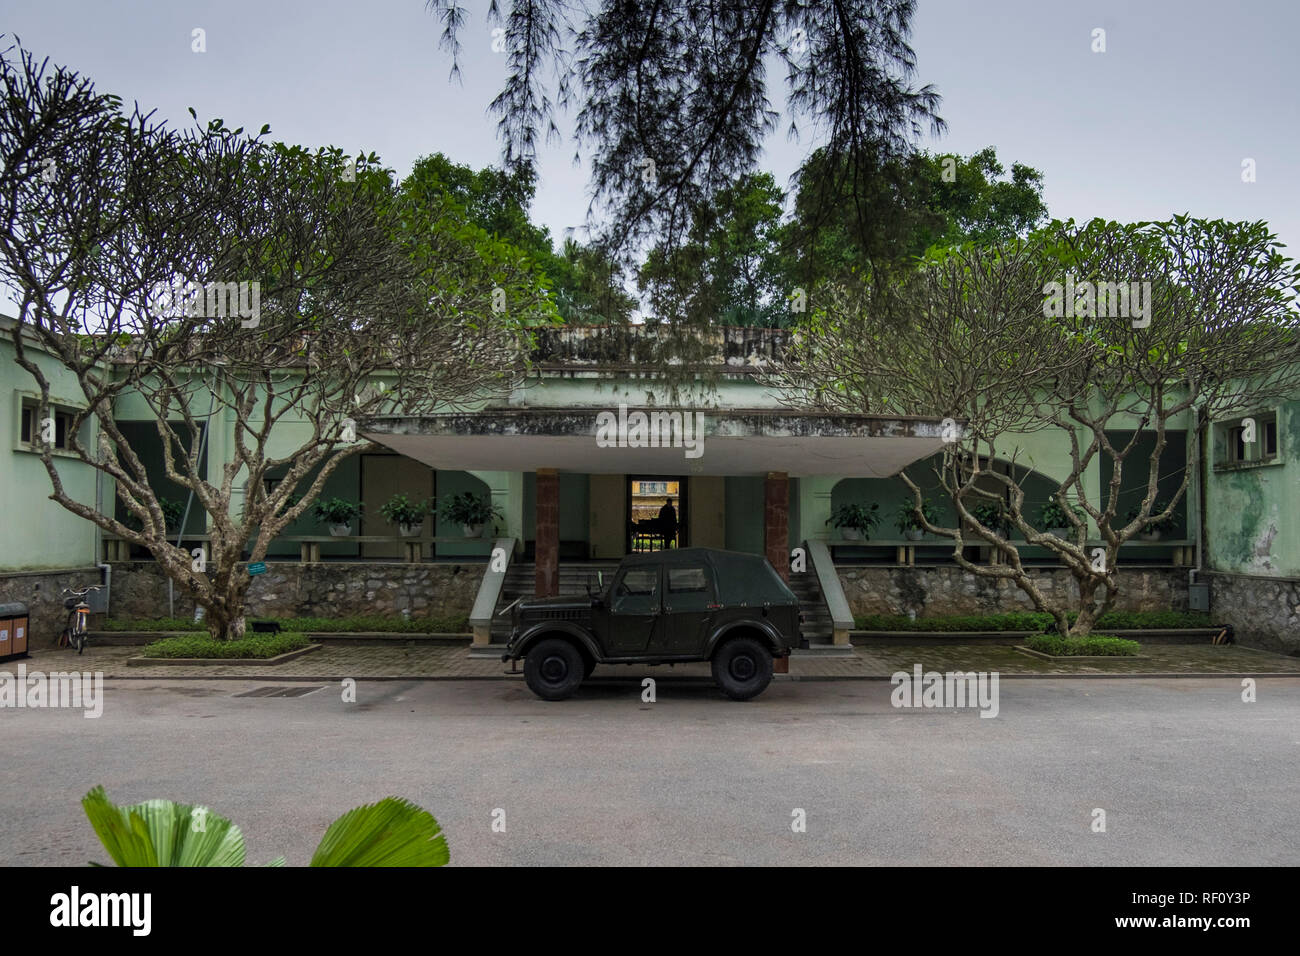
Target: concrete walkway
[{"x": 402, "y": 661}]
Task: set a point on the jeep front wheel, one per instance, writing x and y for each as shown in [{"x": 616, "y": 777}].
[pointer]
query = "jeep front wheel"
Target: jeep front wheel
[
  {"x": 553, "y": 668},
  {"x": 742, "y": 667}
]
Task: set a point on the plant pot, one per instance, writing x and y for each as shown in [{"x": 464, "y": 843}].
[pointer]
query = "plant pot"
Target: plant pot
[
  {"x": 1063, "y": 533},
  {"x": 472, "y": 530},
  {"x": 914, "y": 534},
  {"x": 410, "y": 530},
  {"x": 341, "y": 530},
  {"x": 851, "y": 534},
  {"x": 1149, "y": 535}
]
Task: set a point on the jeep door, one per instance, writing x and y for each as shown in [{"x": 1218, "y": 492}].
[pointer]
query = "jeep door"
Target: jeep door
[
  {"x": 634, "y": 610},
  {"x": 690, "y": 600}
]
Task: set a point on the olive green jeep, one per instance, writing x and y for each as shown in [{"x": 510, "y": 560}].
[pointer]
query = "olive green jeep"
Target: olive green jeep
[{"x": 671, "y": 606}]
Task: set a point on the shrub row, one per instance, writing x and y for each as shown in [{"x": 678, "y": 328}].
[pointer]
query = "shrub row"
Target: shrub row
[
  {"x": 454, "y": 624},
  {"x": 1032, "y": 621},
  {"x": 1095, "y": 645},
  {"x": 258, "y": 646}
]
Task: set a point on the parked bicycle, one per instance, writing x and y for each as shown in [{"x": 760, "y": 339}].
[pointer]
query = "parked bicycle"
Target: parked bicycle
[{"x": 74, "y": 635}]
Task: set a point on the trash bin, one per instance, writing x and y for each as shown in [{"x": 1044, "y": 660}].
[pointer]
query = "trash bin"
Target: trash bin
[{"x": 13, "y": 630}]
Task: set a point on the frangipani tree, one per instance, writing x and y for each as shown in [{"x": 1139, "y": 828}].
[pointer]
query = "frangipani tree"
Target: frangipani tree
[
  {"x": 1093, "y": 332},
  {"x": 221, "y": 280}
]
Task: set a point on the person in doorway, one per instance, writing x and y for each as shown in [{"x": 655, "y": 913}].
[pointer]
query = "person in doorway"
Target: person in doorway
[{"x": 668, "y": 522}]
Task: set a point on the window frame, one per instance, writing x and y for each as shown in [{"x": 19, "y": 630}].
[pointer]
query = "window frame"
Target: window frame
[
  {"x": 26, "y": 412},
  {"x": 1266, "y": 450}
]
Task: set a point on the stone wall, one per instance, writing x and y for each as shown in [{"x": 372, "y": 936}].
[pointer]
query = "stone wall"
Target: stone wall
[
  {"x": 1263, "y": 612},
  {"x": 42, "y": 592},
  {"x": 294, "y": 589},
  {"x": 933, "y": 591}
]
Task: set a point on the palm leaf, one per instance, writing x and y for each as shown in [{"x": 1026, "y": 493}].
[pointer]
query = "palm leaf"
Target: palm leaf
[
  {"x": 163, "y": 833},
  {"x": 392, "y": 832}
]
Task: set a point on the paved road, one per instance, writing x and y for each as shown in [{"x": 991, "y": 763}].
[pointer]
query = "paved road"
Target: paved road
[{"x": 1187, "y": 773}]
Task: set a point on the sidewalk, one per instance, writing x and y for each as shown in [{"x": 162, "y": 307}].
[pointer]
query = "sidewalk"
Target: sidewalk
[{"x": 396, "y": 661}]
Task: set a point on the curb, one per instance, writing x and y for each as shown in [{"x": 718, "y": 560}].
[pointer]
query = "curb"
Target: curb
[{"x": 806, "y": 678}]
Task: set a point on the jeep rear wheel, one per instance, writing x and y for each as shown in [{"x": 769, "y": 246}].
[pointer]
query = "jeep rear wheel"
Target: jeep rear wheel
[
  {"x": 553, "y": 668},
  {"x": 742, "y": 667}
]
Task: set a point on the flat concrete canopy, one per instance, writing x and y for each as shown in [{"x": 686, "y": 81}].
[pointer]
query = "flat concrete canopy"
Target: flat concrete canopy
[{"x": 698, "y": 442}]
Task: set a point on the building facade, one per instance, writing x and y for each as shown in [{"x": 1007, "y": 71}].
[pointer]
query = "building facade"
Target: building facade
[{"x": 591, "y": 458}]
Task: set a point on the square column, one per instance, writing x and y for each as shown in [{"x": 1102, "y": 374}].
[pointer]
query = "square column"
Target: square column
[
  {"x": 547, "y": 537},
  {"x": 776, "y": 521}
]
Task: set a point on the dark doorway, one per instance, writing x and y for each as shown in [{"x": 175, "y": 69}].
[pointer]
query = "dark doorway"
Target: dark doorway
[{"x": 656, "y": 513}]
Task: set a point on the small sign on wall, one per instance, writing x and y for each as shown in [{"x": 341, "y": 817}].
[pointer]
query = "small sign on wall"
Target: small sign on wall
[{"x": 257, "y": 567}]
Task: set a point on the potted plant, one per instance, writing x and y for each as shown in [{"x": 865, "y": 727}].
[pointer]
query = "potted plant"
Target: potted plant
[
  {"x": 993, "y": 515},
  {"x": 909, "y": 522},
  {"x": 1153, "y": 528},
  {"x": 470, "y": 511},
  {"x": 338, "y": 514},
  {"x": 1054, "y": 519},
  {"x": 408, "y": 515},
  {"x": 854, "y": 521},
  {"x": 172, "y": 512}
]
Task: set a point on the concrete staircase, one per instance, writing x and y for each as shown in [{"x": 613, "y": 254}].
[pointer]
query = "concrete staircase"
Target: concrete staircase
[{"x": 521, "y": 580}]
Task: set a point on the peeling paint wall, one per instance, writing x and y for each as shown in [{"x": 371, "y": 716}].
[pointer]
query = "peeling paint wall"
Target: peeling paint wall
[{"x": 1253, "y": 511}]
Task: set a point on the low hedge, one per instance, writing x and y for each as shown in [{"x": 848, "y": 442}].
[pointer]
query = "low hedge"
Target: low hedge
[
  {"x": 258, "y": 646},
  {"x": 455, "y": 624},
  {"x": 1094, "y": 645},
  {"x": 1032, "y": 621}
]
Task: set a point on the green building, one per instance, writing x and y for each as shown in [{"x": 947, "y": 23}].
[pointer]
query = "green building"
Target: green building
[{"x": 590, "y": 459}]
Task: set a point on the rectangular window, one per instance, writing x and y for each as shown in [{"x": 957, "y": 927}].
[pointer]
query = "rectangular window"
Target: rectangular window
[
  {"x": 685, "y": 580},
  {"x": 1251, "y": 439},
  {"x": 30, "y": 429}
]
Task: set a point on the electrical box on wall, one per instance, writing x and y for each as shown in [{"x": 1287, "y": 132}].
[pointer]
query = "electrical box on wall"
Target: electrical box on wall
[{"x": 1198, "y": 597}]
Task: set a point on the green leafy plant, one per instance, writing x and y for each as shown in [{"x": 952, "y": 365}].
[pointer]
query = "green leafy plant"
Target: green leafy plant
[
  {"x": 1156, "y": 523},
  {"x": 392, "y": 832},
  {"x": 1052, "y": 515},
  {"x": 1094, "y": 645},
  {"x": 400, "y": 509},
  {"x": 1034, "y": 621},
  {"x": 469, "y": 509},
  {"x": 908, "y": 519},
  {"x": 449, "y": 624},
  {"x": 992, "y": 515},
  {"x": 172, "y": 512},
  {"x": 255, "y": 646},
  {"x": 336, "y": 510},
  {"x": 855, "y": 517}
]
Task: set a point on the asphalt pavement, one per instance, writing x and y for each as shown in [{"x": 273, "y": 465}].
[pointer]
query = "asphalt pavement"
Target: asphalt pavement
[{"x": 1185, "y": 771}]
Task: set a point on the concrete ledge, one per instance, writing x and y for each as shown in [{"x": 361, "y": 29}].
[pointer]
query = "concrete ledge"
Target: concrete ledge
[{"x": 219, "y": 661}]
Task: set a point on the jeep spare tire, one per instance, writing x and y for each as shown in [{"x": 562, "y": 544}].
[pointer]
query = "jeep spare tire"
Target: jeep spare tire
[
  {"x": 554, "y": 668},
  {"x": 742, "y": 667}
]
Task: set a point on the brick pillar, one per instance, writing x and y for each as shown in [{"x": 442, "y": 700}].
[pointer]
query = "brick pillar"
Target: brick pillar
[
  {"x": 548, "y": 533},
  {"x": 776, "y": 521}
]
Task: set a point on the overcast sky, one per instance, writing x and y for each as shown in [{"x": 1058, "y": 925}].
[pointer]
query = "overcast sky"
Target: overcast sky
[{"x": 1159, "y": 123}]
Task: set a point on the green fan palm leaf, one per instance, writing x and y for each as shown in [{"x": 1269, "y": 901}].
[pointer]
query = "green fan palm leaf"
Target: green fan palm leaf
[
  {"x": 163, "y": 833},
  {"x": 392, "y": 832}
]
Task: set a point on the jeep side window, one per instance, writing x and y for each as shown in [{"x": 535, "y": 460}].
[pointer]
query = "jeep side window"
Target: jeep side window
[
  {"x": 689, "y": 589},
  {"x": 637, "y": 592}
]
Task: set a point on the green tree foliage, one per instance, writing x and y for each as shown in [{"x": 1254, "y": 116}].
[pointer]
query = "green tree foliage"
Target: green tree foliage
[
  {"x": 672, "y": 99},
  {"x": 490, "y": 206},
  {"x": 728, "y": 271},
  {"x": 895, "y": 210}
]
